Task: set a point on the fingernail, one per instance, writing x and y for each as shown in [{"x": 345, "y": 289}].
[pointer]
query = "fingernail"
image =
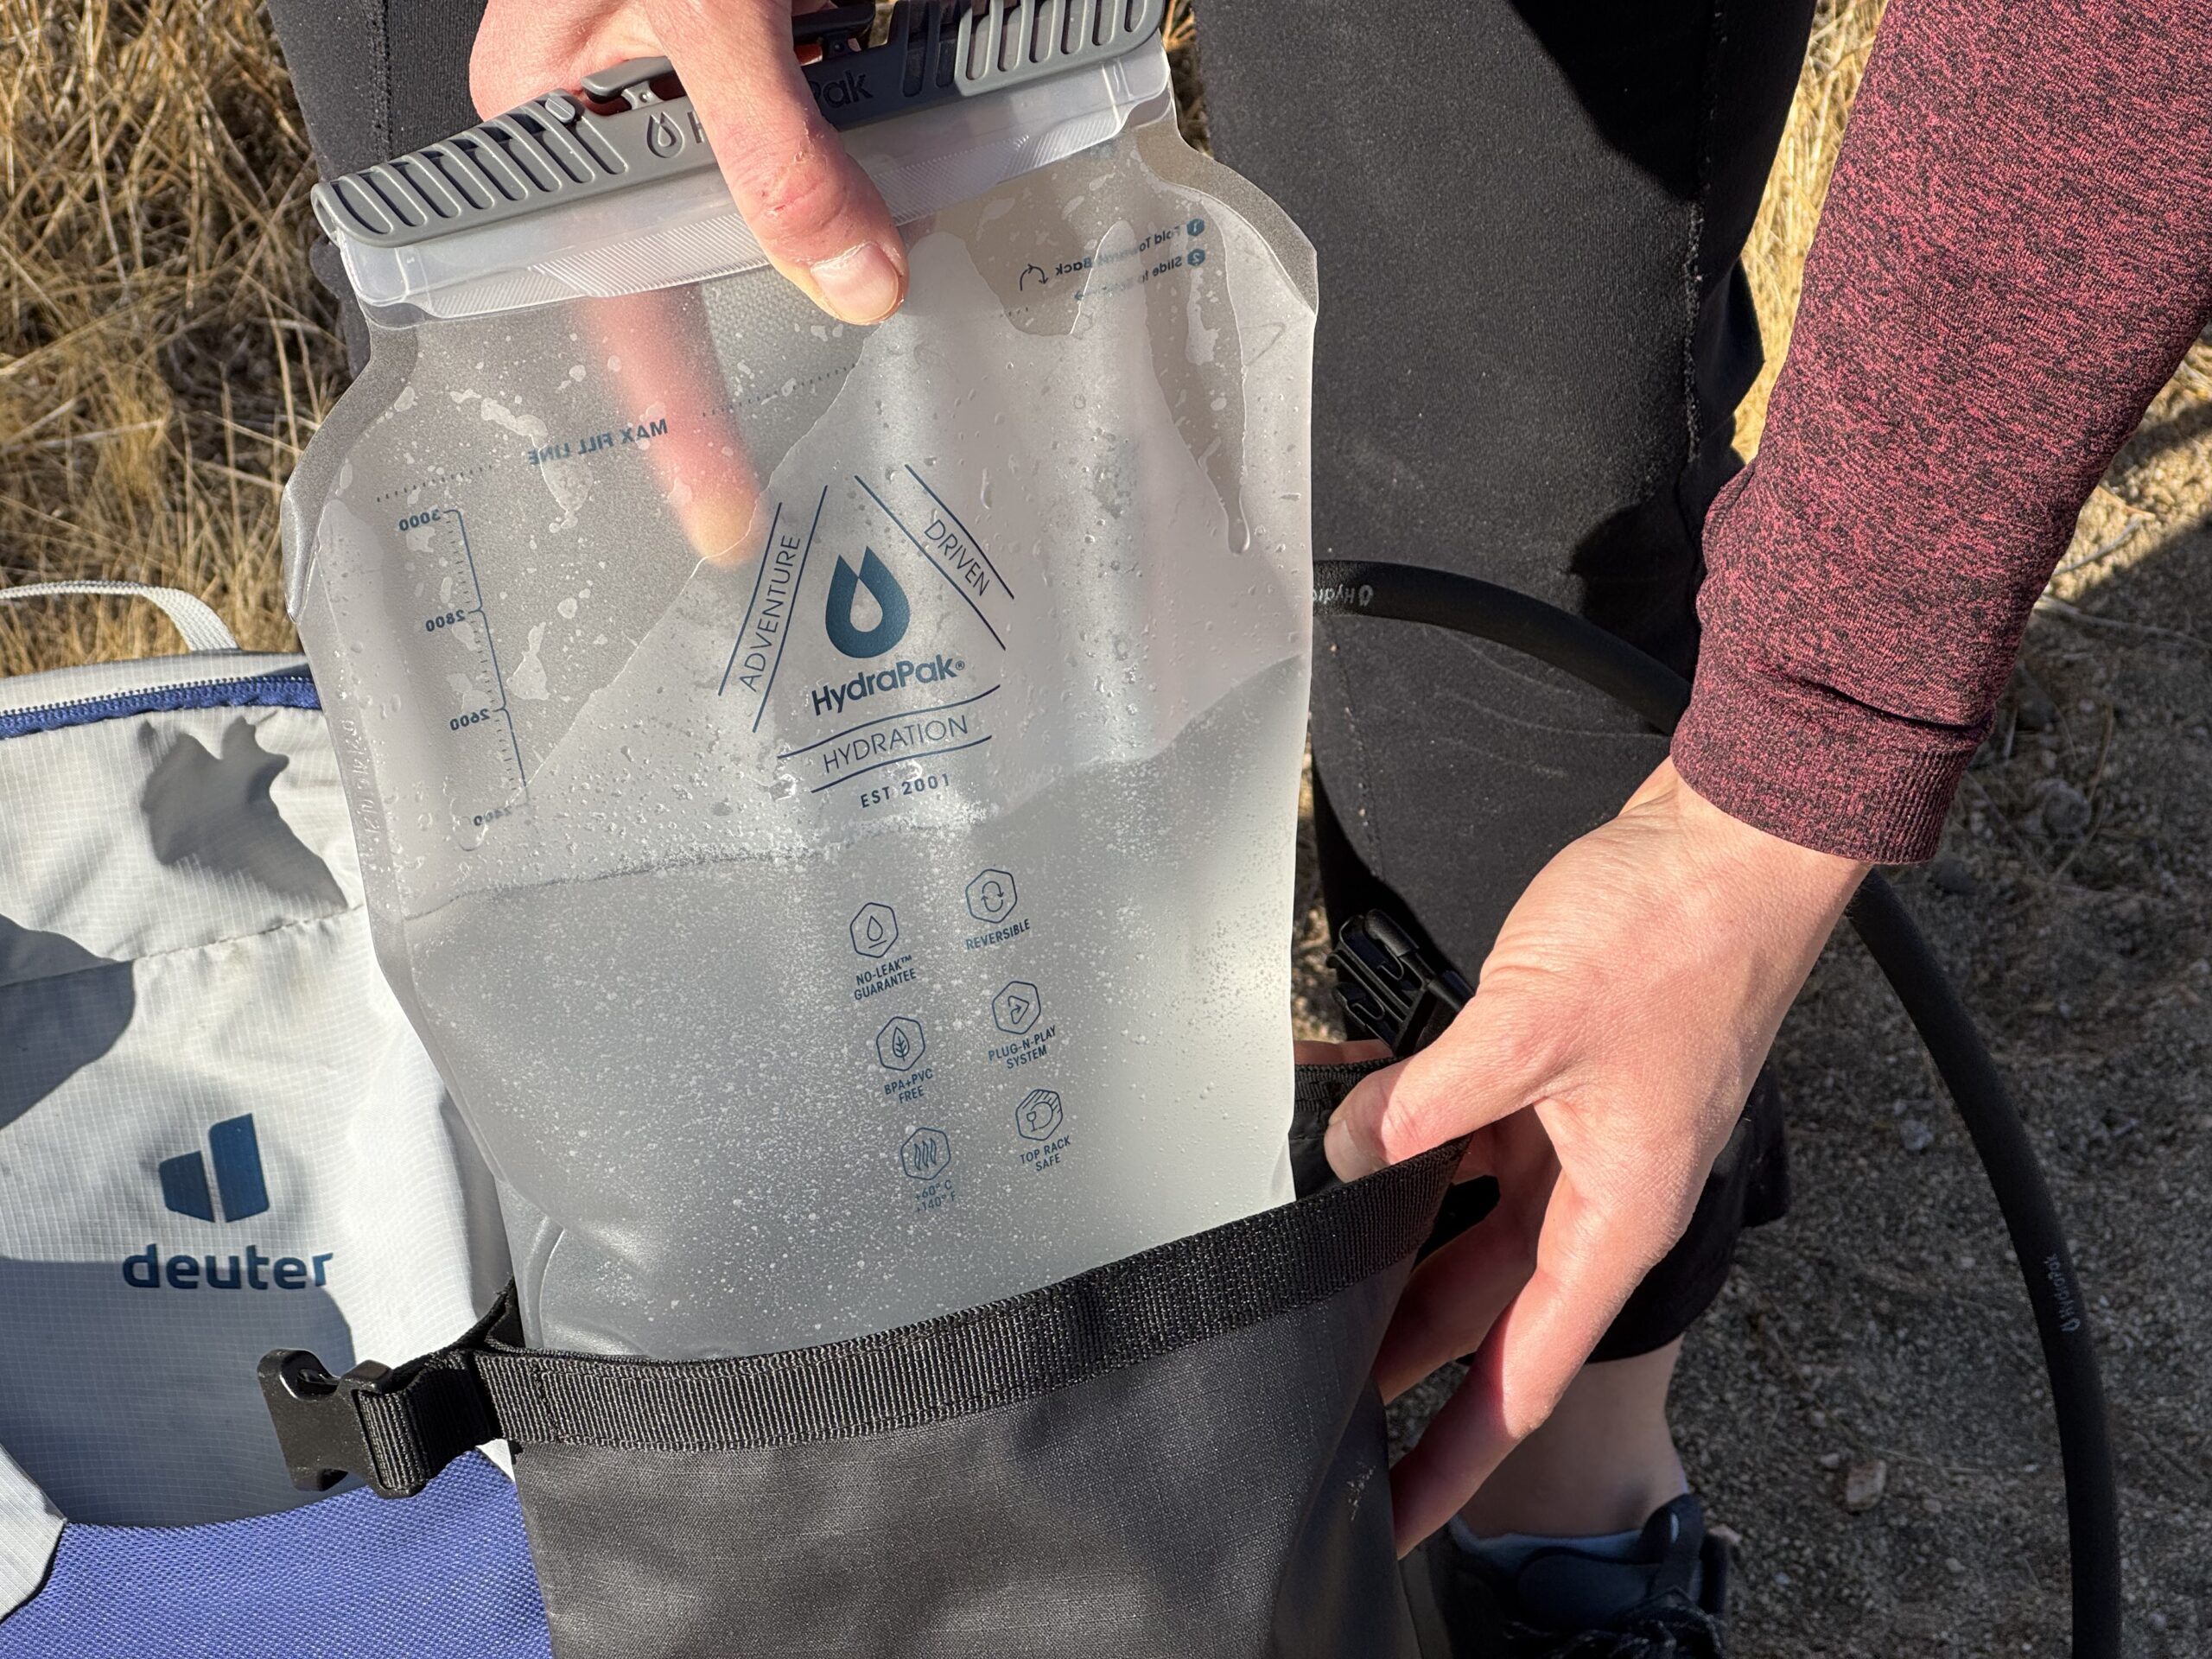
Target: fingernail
[
  {"x": 1343, "y": 1151},
  {"x": 861, "y": 284}
]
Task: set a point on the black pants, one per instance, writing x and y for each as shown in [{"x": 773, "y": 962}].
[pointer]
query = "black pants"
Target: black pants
[{"x": 1534, "y": 335}]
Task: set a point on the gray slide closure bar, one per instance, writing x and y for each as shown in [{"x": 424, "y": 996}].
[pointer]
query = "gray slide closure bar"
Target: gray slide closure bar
[{"x": 555, "y": 149}]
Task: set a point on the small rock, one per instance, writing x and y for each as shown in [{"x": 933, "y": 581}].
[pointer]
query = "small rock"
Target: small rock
[
  {"x": 1953, "y": 1564},
  {"x": 2037, "y": 713},
  {"x": 1831, "y": 1460},
  {"x": 1864, "y": 1483},
  {"x": 1915, "y": 1135},
  {"x": 2060, "y": 808},
  {"x": 2158, "y": 1621},
  {"x": 1951, "y": 875}
]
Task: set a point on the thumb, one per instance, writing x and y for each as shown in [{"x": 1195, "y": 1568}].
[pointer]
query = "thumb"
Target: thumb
[
  {"x": 817, "y": 216},
  {"x": 1488, "y": 1065}
]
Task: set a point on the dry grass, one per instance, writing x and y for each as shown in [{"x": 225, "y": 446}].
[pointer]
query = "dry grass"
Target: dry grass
[
  {"x": 2159, "y": 485},
  {"x": 166, "y": 353},
  {"x": 1774, "y": 257}
]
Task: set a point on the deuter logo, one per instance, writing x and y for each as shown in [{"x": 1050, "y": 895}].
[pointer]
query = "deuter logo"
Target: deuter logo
[
  {"x": 242, "y": 1184},
  {"x": 236, "y": 1150},
  {"x": 890, "y": 626}
]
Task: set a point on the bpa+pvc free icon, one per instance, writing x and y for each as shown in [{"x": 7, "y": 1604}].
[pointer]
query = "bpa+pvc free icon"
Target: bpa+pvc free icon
[
  {"x": 927, "y": 1154},
  {"x": 900, "y": 1044},
  {"x": 874, "y": 929}
]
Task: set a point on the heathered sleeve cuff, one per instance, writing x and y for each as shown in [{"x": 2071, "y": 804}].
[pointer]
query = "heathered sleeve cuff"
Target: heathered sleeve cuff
[
  {"x": 2015, "y": 251},
  {"x": 1807, "y": 764}
]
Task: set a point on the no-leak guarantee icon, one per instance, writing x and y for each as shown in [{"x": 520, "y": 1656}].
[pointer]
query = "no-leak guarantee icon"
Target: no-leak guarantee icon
[{"x": 874, "y": 929}]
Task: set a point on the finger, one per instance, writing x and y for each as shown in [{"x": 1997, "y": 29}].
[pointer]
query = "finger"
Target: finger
[
  {"x": 816, "y": 215},
  {"x": 1490, "y": 1063},
  {"x": 1304, "y": 1052},
  {"x": 1452, "y": 1300},
  {"x": 659, "y": 347},
  {"x": 1588, "y": 1260},
  {"x": 525, "y": 48},
  {"x": 1453, "y": 1297},
  {"x": 1431, "y": 1482}
]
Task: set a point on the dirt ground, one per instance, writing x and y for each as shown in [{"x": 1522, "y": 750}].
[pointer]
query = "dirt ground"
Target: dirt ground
[
  {"x": 1885, "y": 1320},
  {"x": 164, "y": 353}
]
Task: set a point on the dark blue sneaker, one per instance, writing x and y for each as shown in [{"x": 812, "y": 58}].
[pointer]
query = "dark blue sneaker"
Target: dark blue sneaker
[{"x": 1667, "y": 1601}]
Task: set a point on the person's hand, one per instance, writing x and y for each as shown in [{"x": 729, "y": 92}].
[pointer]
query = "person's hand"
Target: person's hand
[
  {"x": 817, "y": 216},
  {"x": 1305, "y": 1050},
  {"x": 1620, "y": 1019}
]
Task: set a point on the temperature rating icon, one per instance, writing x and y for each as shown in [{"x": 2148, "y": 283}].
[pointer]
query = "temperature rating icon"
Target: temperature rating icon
[
  {"x": 927, "y": 1154},
  {"x": 900, "y": 1044}
]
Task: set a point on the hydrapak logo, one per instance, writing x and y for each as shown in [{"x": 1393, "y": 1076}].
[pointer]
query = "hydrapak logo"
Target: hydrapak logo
[
  {"x": 832, "y": 699},
  {"x": 844, "y": 92},
  {"x": 242, "y": 1183},
  {"x": 1343, "y": 594},
  {"x": 890, "y": 598}
]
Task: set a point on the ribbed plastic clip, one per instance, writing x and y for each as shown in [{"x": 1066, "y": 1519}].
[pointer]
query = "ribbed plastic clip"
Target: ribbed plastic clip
[{"x": 560, "y": 148}]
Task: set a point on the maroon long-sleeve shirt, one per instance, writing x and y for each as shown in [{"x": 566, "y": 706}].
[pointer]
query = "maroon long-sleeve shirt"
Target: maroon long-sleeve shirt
[{"x": 2015, "y": 253}]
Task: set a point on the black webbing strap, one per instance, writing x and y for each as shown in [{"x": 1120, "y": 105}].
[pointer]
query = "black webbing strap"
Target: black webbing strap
[{"x": 396, "y": 1429}]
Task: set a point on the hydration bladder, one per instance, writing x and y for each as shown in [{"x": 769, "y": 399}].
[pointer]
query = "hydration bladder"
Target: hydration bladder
[
  {"x": 826, "y": 794},
  {"x": 826, "y": 797}
]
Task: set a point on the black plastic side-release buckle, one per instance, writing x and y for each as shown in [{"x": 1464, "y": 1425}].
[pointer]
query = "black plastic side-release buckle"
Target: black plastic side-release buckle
[
  {"x": 1388, "y": 988},
  {"x": 317, "y": 1416},
  {"x": 395, "y": 1428}
]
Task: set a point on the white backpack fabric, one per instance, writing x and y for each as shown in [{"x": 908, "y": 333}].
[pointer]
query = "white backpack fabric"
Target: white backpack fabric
[{"x": 218, "y": 1134}]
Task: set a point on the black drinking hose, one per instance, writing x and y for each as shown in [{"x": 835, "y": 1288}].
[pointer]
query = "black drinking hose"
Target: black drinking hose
[{"x": 1411, "y": 593}]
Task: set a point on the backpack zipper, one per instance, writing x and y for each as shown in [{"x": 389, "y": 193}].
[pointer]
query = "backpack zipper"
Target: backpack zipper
[{"x": 287, "y": 688}]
